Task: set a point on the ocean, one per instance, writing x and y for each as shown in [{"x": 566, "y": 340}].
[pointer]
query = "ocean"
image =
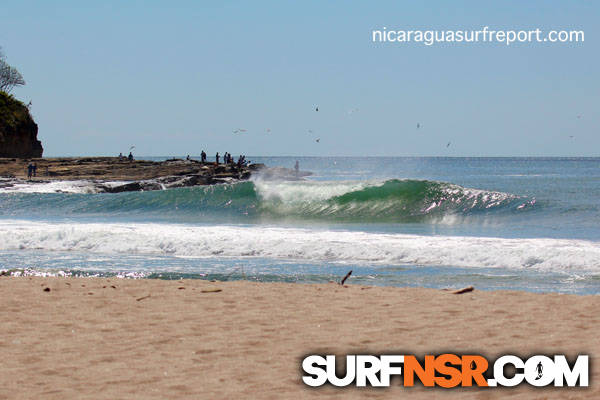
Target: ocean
[{"x": 528, "y": 224}]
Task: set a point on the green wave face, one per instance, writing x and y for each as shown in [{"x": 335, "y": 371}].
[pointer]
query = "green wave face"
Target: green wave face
[
  {"x": 400, "y": 201},
  {"x": 395, "y": 199},
  {"x": 390, "y": 201}
]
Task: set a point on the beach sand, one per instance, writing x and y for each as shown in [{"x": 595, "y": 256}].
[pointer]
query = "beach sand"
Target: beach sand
[{"x": 93, "y": 338}]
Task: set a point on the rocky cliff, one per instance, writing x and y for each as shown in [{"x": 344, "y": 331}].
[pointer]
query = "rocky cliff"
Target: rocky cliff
[{"x": 18, "y": 131}]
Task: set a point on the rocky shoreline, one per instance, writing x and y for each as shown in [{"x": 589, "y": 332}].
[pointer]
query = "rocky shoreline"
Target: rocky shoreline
[{"x": 111, "y": 175}]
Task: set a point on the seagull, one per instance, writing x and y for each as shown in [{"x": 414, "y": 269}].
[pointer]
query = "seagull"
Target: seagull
[
  {"x": 310, "y": 131},
  {"x": 317, "y": 109},
  {"x": 131, "y": 148},
  {"x": 418, "y": 125},
  {"x": 571, "y": 136},
  {"x": 448, "y": 145},
  {"x": 317, "y": 140}
]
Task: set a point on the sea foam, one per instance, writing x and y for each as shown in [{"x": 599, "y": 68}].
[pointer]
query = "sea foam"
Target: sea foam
[{"x": 314, "y": 245}]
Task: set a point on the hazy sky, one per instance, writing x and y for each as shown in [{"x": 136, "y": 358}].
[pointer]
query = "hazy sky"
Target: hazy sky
[{"x": 176, "y": 77}]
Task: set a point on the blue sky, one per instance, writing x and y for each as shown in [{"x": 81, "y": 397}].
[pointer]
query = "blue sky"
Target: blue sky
[{"x": 173, "y": 78}]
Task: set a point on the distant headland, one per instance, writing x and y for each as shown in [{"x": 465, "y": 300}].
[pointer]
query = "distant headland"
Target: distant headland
[{"x": 18, "y": 130}]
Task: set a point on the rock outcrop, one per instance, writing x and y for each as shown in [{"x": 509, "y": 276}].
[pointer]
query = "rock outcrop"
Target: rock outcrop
[
  {"x": 18, "y": 131},
  {"x": 109, "y": 174}
]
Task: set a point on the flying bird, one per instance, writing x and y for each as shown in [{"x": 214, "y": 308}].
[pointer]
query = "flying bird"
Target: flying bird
[
  {"x": 418, "y": 125},
  {"x": 131, "y": 148},
  {"x": 310, "y": 131},
  {"x": 448, "y": 145},
  {"x": 317, "y": 109},
  {"x": 318, "y": 140}
]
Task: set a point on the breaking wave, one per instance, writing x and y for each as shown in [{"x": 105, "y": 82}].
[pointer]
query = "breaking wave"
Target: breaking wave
[{"x": 389, "y": 201}]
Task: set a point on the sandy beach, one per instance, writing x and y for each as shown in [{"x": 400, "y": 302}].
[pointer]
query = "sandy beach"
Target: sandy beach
[{"x": 116, "y": 338}]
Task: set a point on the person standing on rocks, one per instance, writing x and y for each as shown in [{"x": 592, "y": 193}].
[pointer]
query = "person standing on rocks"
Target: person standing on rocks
[
  {"x": 130, "y": 157},
  {"x": 34, "y": 167},
  {"x": 203, "y": 156},
  {"x": 217, "y": 158},
  {"x": 29, "y": 170}
]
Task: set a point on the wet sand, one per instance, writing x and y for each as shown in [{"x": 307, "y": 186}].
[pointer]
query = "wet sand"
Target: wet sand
[{"x": 92, "y": 338}]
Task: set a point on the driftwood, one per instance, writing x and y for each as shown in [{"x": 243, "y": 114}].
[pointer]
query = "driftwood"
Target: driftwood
[
  {"x": 464, "y": 290},
  {"x": 346, "y": 277},
  {"x": 142, "y": 298},
  {"x": 211, "y": 290}
]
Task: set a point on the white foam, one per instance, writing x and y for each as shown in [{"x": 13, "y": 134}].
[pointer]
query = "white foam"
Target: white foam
[
  {"x": 301, "y": 244},
  {"x": 306, "y": 191},
  {"x": 22, "y": 186}
]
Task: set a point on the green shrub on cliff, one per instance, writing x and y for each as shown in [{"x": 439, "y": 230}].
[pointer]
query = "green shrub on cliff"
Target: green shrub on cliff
[
  {"x": 18, "y": 130},
  {"x": 11, "y": 111}
]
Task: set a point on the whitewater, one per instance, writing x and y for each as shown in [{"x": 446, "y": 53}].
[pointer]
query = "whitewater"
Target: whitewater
[{"x": 340, "y": 246}]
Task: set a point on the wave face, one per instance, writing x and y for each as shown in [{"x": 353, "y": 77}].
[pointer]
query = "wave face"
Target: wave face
[
  {"x": 388, "y": 201},
  {"x": 393, "y": 201}
]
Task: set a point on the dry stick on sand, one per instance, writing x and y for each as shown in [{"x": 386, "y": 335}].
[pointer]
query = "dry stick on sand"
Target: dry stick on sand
[
  {"x": 142, "y": 298},
  {"x": 346, "y": 277},
  {"x": 464, "y": 290},
  {"x": 211, "y": 290}
]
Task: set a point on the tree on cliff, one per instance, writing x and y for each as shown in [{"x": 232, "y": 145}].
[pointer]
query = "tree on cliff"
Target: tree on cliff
[
  {"x": 9, "y": 76},
  {"x": 18, "y": 130}
]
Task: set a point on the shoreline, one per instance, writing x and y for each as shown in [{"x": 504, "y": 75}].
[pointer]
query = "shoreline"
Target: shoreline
[
  {"x": 238, "y": 276},
  {"x": 126, "y": 338}
]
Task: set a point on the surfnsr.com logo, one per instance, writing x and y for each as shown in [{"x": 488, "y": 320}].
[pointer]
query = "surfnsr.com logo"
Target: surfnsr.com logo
[{"x": 447, "y": 370}]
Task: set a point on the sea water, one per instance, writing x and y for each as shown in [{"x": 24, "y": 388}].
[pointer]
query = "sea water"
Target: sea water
[{"x": 494, "y": 223}]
